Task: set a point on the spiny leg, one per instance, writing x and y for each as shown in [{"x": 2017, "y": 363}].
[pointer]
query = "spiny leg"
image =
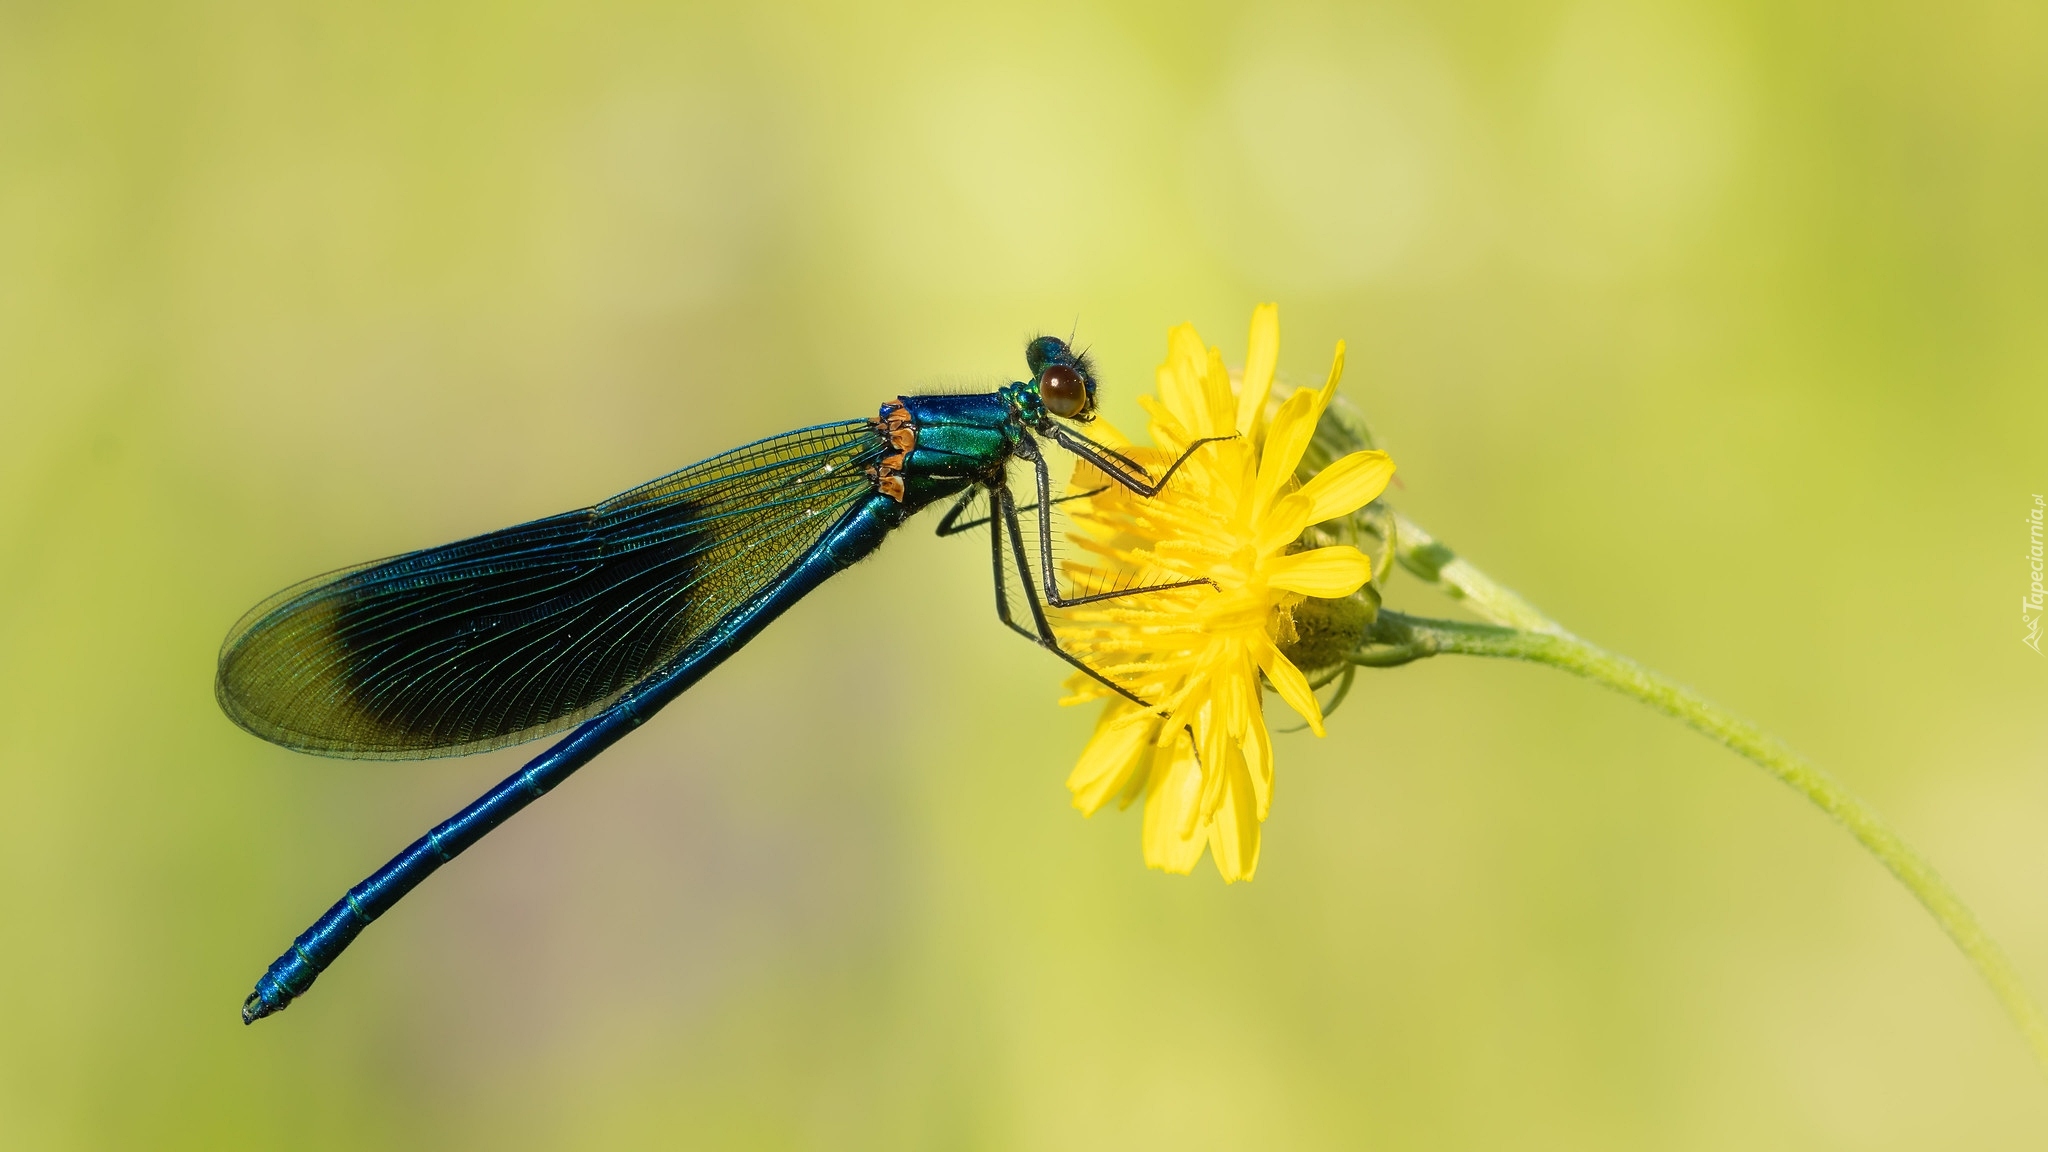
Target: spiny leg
[
  {"x": 1004, "y": 503},
  {"x": 950, "y": 524},
  {"x": 1123, "y": 461},
  {"x": 1001, "y": 575},
  {"x": 1028, "y": 449},
  {"x": 1114, "y": 463}
]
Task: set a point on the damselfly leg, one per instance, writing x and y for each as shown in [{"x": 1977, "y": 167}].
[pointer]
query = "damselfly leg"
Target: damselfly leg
[
  {"x": 1114, "y": 464},
  {"x": 951, "y": 525},
  {"x": 1042, "y": 588},
  {"x": 1029, "y": 450},
  {"x": 1004, "y": 522}
]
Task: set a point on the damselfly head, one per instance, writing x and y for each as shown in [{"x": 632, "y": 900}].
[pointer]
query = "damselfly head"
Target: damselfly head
[{"x": 1064, "y": 377}]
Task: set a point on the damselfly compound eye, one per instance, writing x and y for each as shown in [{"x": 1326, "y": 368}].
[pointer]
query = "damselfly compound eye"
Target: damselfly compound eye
[
  {"x": 1064, "y": 391},
  {"x": 1045, "y": 351}
]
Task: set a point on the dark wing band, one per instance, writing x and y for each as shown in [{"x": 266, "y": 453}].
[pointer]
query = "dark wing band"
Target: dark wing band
[{"x": 518, "y": 633}]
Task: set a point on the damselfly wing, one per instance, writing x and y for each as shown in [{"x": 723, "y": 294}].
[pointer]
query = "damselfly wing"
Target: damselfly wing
[{"x": 515, "y": 634}]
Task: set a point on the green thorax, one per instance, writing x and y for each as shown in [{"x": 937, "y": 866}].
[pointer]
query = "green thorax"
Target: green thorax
[{"x": 942, "y": 445}]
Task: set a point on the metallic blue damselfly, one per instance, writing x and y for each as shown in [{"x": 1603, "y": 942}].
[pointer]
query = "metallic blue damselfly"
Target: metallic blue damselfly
[{"x": 595, "y": 619}]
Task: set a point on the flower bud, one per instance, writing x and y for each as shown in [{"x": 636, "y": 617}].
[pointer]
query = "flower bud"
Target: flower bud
[{"x": 1325, "y": 633}]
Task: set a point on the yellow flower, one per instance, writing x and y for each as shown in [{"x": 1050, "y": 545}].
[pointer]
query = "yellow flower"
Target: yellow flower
[{"x": 1232, "y": 515}]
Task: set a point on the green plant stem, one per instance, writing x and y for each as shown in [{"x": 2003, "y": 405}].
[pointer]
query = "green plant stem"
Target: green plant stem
[{"x": 1522, "y": 632}]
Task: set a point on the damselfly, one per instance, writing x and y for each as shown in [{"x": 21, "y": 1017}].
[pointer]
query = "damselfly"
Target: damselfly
[{"x": 596, "y": 618}]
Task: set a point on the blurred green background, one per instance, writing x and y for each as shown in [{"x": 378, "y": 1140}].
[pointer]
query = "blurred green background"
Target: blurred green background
[{"x": 1715, "y": 329}]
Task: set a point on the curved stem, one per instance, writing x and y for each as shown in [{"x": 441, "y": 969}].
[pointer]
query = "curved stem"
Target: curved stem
[
  {"x": 1522, "y": 631},
  {"x": 1398, "y": 639}
]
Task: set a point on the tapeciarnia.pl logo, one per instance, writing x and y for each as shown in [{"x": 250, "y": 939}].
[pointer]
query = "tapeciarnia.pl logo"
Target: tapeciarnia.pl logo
[{"x": 2030, "y": 608}]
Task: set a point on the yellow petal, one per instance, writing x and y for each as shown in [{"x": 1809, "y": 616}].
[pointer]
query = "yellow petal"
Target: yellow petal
[
  {"x": 1262, "y": 355},
  {"x": 1219, "y": 407},
  {"x": 1180, "y": 377},
  {"x": 1282, "y": 525},
  {"x": 1258, "y": 761},
  {"x": 1167, "y": 429},
  {"x": 1121, "y": 745},
  {"x": 1336, "y": 374},
  {"x": 1081, "y": 689},
  {"x": 1179, "y": 713},
  {"x": 1102, "y": 431},
  {"x": 1290, "y": 684},
  {"x": 1136, "y": 787},
  {"x": 1285, "y": 442},
  {"x": 1248, "y": 730},
  {"x": 1347, "y": 485},
  {"x": 1292, "y": 428},
  {"x": 1329, "y": 573},
  {"x": 1234, "y": 833},
  {"x": 1174, "y": 791},
  {"x": 1217, "y": 751}
]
